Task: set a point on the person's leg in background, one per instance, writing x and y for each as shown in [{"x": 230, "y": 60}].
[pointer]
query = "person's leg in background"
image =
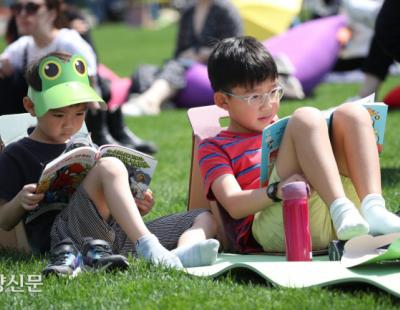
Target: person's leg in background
[
  {"x": 387, "y": 28},
  {"x": 96, "y": 123},
  {"x": 108, "y": 127},
  {"x": 156, "y": 87},
  {"x": 120, "y": 132},
  {"x": 376, "y": 67}
]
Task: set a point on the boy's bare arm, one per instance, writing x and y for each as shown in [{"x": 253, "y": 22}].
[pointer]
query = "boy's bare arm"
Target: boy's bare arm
[
  {"x": 237, "y": 202},
  {"x": 241, "y": 203},
  {"x": 12, "y": 211}
]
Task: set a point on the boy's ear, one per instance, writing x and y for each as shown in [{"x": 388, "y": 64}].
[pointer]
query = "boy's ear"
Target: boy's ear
[
  {"x": 220, "y": 100},
  {"x": 29, "y": 106}
]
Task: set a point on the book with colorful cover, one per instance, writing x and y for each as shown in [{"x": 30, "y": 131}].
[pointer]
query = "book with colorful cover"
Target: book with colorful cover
[
  {"x": 61, "y": 177},
  {"x": 273, "y": 133}
]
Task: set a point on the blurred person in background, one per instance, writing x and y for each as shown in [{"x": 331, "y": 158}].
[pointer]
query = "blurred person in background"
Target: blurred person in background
[
  {"x": 388, "y": 28},
  {"x": 42, "y": 28},
  {"x": 360, "y": 17},
  {"x": 202, "y": 24}
]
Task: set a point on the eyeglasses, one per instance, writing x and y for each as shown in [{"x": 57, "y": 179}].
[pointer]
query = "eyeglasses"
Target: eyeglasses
[
  {"x": 259, "y": 99},
  {"x": 30, "y": 8}
]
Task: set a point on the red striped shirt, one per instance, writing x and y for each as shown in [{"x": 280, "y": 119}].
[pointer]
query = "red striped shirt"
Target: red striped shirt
[{"x": 237, "y": 154}]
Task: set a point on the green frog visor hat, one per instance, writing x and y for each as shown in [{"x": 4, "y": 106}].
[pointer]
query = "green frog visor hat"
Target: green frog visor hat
[{"x": 64, "y": 83}]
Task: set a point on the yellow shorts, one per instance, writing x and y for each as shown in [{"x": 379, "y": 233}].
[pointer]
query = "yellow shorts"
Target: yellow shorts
[{"x": 268, "y": 224}]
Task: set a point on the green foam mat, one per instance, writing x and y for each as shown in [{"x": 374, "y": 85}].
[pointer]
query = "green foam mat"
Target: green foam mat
[{"x": 320, "y": 272}]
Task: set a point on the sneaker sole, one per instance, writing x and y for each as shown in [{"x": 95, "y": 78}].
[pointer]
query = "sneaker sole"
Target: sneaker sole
[
  {"x": 59, "y": 274},
  {"x": 113, "y": 266}
]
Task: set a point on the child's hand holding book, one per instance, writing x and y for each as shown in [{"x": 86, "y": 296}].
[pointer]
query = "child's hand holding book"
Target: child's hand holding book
[
  {"x": 28, "y": 198},
  {"x": 146, "y": 204}
]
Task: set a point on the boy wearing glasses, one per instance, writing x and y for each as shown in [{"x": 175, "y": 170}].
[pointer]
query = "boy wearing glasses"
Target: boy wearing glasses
[{"x": 244, "y": 78}]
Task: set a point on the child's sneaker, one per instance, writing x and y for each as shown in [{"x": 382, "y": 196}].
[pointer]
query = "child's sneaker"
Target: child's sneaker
[
  {"x": 65, "y": 260},
  {"x": 98, "y": 254}
]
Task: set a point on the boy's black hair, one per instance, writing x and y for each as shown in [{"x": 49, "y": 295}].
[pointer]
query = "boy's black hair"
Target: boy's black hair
[
  {"x": 240, "y": 61},
  {"x": 32, "y": 72}
]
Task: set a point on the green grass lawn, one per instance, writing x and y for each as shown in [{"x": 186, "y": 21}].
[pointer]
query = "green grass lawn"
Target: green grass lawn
[{"x": 148, "y": 287}]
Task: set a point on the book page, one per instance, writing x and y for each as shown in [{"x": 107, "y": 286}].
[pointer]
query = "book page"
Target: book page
[
  {"x": 367, "y": 249},
  {"x": 62, "y": 176},
  {"x": 140, "y": 166},
  {"x": 79, "y": 139}
]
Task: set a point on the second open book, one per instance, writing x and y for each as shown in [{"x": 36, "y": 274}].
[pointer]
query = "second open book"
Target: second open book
[{"x": 273, "y": 133}]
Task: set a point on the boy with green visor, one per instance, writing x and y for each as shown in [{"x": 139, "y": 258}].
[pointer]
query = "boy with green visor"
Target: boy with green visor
[{"x": 102, "y": 216}]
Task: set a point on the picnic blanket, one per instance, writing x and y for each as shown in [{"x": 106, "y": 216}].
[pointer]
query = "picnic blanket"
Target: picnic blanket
[{"x": 320, "y": 272}]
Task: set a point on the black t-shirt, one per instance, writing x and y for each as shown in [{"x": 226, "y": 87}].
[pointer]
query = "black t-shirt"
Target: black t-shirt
[{"x": 21, "y": 163}]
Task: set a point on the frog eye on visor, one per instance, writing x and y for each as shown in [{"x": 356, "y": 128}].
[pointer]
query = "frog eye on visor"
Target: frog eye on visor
[
  {"x": 80, "y": 67},
  {"x": 51, "y": 70}
]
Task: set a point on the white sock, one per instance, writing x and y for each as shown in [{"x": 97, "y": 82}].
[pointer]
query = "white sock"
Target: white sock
[
  {"x": 346, "y": 219},
  {"x": 149, "y": 248},
  {"x": 380, "y": 220},
  {"x": 202, "y": 253}
]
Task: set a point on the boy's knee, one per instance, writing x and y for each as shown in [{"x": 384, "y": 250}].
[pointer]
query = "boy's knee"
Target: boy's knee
[
  {"x": 111, "y": 167},
  {"x": 306, "y": 118},
  {"x": 207, "y": 221},
  {"x": 350, "y": 113}
]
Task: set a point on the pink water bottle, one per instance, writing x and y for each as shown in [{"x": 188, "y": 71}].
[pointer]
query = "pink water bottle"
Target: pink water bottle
[{"x": 296, "y": 222}]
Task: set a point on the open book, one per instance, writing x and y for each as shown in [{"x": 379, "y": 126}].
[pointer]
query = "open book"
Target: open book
[
  {"x": 61, "y": 177},
  {"x": 273, "y": 133},
  {"x": 367, "y": 249}
]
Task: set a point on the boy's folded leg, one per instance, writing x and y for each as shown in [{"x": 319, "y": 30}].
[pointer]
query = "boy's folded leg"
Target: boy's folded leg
[
  {"x": 380, "y": 220},
  {"x": 346, "y": 219},
  {"x": 202, "y": 253},
  {"x": 149, "y": 248}
]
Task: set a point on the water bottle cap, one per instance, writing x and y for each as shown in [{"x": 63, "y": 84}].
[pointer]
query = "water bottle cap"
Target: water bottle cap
[{"x": 295, "y": 190}]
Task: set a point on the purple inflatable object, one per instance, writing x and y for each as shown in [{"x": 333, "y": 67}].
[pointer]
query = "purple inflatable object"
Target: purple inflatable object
[
  {"x": 312, "y": 47},
  {"x": 198, "y": 91}
]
